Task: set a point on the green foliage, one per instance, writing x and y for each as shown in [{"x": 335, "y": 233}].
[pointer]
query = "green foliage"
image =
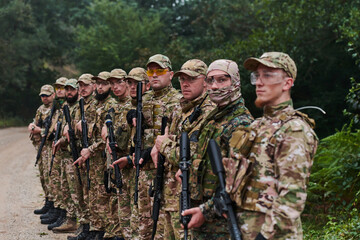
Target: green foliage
[
  {"x": 340, "y": 227},
  {"x": 335, "y": 178},
  {"x": 353, "y": 100},
  {"x": 119, "y": 36}
]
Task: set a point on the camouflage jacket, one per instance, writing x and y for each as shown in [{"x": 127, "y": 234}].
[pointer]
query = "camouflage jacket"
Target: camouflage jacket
[
  {"x": 170, "y": 146},
  {"x": 41, "y": 114},
  {"x": 99, "y": 110},
  {"x": 66, "y": 150},
  {"x": 280, "y": 159},
  {"x": 157, "y": 104},
  {"x": 219, "y": 125}
]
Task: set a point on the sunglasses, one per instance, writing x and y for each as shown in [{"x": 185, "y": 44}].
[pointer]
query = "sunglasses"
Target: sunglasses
[
  {"x": 59, "y": 88},
  {"x": 159, "y": 71},
  {"x": 44, "y": 95}
]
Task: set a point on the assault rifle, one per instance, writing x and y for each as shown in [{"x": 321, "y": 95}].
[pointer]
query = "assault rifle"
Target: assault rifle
[
  {"x": 112, "y": 144},
  {"x": 185, "y": 191},
  {"x": 138, "y": 139},
  {"x": 74, "y": 151},
  {"x": 156, "y": 190},
  {"x": 85, "y": 141},
  {"x": 47, "y": 124},
  {"x": 225, "y": 202},
  {"x": 57, "y": 136}
]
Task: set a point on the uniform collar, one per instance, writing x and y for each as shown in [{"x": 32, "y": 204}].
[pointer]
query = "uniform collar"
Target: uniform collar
[
  {"x": 187, "y": 105},
  {"x": 272, "y": 111},
  {"x": 163, "y": 91}
]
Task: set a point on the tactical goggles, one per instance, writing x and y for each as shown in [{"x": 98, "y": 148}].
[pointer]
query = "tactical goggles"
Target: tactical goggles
[
  {"x": 133, "y": 82},
  {"x": 219, "y": 79},
  {"x": 189, "y": 79},
  {"x": 266, "y": 77},
  {"x": 59, "y": 88},
  {"x": 158, "y": 71}
]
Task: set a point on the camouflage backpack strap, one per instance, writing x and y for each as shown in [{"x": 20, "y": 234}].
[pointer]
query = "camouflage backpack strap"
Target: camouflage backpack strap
[{"x": 306, "y": 118}]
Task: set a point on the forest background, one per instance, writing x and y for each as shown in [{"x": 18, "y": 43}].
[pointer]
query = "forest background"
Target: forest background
[{"x": 42, "y": 40}]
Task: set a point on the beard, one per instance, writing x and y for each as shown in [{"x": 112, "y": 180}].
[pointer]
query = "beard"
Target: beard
[
  {"x": 102, "y": 96},
  {"x": 73, "y": 99},
  {"x": 259, "y": 103}
]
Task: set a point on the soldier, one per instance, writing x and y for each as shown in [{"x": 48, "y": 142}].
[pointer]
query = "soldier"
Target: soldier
[
  {"x": 195, "y": 106},
  {"x": 86, "y": 90},
  {"x": 223, "y": 87},
  {"x": 159, "y": 102},
  {"x": 280, "y": 159},
  {"x": 55, "y": 184},
  {"x": 70, "y": 186},
  {"x": 98, "y": 198},
  {"x": 123, "y": 139},
  {"x": 36, "y": 130}
]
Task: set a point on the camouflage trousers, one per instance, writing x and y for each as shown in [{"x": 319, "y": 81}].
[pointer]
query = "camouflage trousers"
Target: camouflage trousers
[
  {"x": 84, "y": 212},
  {"x": 250, "y": 224},
  {"x": 70, "y": 187},
  {"x": 98, "y": 197},
  {"x": 172, "y": 227},
  {"x": 55, "y": 183},
  {"x": 125, "y": 202},
  {"x": 216, "y": 229},
  {"x": 141, "y": 222},
  {"x": 44, "y": 169},
  {"x": 112, "y": 221}
]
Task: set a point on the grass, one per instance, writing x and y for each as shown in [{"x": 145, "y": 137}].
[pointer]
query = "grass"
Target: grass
[{"x": 12, "y": 122}]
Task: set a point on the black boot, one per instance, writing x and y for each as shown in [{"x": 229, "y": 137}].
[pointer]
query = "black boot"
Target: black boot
[
  {"x": 99, "y": 235},
  {"x": 52, "y": 217},
  {"x": 60, "y": 220},
  {"x": 48, "y": 213},
  {"x": 91, "y": 236},
  {"x": 83, "y": 235},
  {"x": 45, "y": 208}
]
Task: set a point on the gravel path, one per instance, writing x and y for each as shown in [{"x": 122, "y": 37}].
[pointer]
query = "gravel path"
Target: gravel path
[{"x": 20, "y": 190}]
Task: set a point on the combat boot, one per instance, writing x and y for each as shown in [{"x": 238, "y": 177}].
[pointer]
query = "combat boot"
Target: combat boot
[
  {"x": 99, "y": 235},
  {"x": 48, "y": 204},
  {"x": 83, "y": 234},
  {"x": 60, "y": 220},
  {"x": 51, "y": 211},
  {"x": 52, "y": 217},
  {"x": 69, "y": 226},
  {"x": 91, "y": 235}
]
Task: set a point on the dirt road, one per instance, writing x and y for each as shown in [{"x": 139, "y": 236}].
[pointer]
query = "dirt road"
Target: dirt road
[{"x": 20, "y": 190}]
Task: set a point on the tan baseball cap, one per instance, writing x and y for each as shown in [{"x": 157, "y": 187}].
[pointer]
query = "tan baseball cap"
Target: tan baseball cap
[
  {"x": 273, "y": 60},
  {"x": 61, "y": 81},
  {"x": 102, "y": 76},
  {"x": 117, "y": 73},
  {"x": 47, "y": 90},
  {"x": 86, "y": 78},
  {"x": 228, "y": 66},
  {"x": 138, "y": 74},
  {"x": 72, "y": 82},
  {"x": 192, "y": 68},
  {"x": 162, "y": 60}
]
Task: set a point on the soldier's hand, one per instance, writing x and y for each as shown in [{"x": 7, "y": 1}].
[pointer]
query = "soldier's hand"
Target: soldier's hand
[
  {"x": 55, "y": 147},
  {"x": 154, "y": 155},
  {"x": 104, "y": 132},
  {"x": 177, "y": 176},
  {"x": 160, "y": 139},
  {"x": 197, "y": 218},
  {"x": 66, "y": 132},
  {"x": 121, "y": 162},
  {"x": 79, "y": 161},
  {"x": 134, "y": 122},
  {"x": 78, "y": 127},
  {"x": 85, "y": 153}
]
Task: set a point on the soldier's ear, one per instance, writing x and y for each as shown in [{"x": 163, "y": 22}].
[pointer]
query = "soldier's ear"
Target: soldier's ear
[{"x": 289, "y": 82}]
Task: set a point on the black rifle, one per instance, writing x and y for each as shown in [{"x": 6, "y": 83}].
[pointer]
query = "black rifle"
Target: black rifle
[
  {"x": 57, "y": 136},
  {"x": 112, "y": 145},
  {"x": 47, "y": 124},
  {"x": 185, "y": 191},
  {"x": 138, "y": 139},
  {"x": 217, "y": 166},
  {"x": 85, "y": 140},
  {"x": 157, "y": 190},
  {"x": 74, "y": 151}
]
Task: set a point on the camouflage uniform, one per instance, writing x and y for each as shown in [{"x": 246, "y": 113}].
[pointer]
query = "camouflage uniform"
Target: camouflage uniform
[
  {"x": 170, "y": 148},
  {"x": 157, "y": 104},
  {"x": 219, "y": 125},
  {"x": 98, "y": 198},
  {"x": 280, "y": 160},
  {"x": 41, "y": 114},
  {"x": 83, "y": 206}
]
